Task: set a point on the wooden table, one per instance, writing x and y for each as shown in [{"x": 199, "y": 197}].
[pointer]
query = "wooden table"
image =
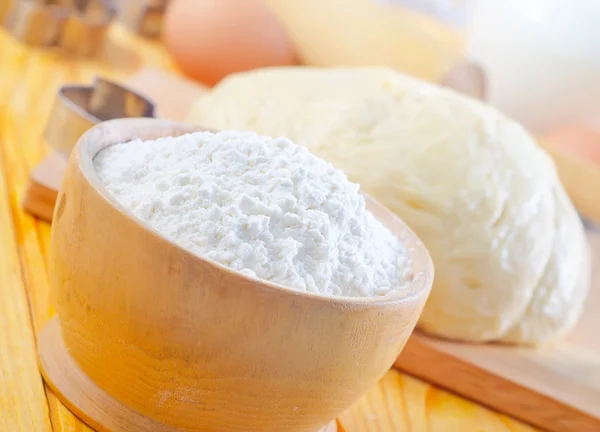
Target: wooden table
[{"x": 29, "y": 80}]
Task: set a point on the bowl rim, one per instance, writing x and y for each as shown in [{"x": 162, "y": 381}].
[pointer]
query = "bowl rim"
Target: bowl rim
[{"x": 125, "y": 130}]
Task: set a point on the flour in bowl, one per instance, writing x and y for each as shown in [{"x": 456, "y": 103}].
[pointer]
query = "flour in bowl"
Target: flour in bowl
[{"x": 263, "y": 206}]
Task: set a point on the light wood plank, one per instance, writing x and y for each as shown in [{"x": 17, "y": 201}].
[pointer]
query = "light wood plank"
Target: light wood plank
[
  {"x": 22, "y": 398},
  {"x": 29, "y": 80},
  {"x": 405, "y": 404}
]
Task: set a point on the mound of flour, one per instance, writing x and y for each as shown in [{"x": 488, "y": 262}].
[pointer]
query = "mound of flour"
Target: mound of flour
[{"x": 263, "y": 206}]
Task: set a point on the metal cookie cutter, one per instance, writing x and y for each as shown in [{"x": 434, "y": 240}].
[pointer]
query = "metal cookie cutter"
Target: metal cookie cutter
[
  {"x": 143, "y": 16},
  {"x": 78, "y": 26},
  {"x": 78, "y": 108}
]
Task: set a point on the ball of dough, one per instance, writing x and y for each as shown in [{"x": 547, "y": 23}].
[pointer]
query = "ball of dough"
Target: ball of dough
[{"x": 510, "y": 253}]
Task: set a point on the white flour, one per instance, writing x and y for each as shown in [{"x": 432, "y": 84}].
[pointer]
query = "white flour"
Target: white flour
[{"x": 263, "y": 206}]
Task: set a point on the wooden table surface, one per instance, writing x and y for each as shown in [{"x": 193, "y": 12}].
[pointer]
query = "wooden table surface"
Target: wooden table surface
[{"x": 29, "y": 80}]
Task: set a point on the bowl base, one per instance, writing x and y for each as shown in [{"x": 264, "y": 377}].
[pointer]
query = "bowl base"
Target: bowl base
[{"x": 84, "y": 398}]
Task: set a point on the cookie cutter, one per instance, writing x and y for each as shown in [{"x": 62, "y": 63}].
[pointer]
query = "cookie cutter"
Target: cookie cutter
[
  {"x": 78, "y": 26},
  {"x": 143, "y": 16},
  {"x": 79, "y": 107}
]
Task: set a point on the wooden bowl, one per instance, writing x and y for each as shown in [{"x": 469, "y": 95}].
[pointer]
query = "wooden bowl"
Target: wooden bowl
[{"x": 152, "y": 337}]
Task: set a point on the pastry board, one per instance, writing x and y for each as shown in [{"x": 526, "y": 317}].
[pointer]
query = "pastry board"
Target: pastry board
[{"x": 556, "y": 388}]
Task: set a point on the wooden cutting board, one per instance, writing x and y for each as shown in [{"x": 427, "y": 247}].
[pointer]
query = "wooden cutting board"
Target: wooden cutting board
[{"x": 556, "y": 388}]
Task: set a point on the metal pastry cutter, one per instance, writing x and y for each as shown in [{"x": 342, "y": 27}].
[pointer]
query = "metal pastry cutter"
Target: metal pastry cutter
[
  {"x": 76, "y": 109},
  {"x": 78, "y": 26},
  {"x": 143, "y": 16},
  {"x": 79, "y": 107}
]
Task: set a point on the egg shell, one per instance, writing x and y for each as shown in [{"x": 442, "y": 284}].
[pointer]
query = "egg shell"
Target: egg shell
[{"x": 210, "y": 39}]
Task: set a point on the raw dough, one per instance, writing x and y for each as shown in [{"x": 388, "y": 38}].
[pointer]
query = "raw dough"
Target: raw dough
[{"x": 511, "y": 258}]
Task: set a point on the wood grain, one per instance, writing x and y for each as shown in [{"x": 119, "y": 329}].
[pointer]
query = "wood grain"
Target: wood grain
[
  {"x": 44, "y": 183},
  {"x": 401, "y": 403},
  {"x": 22, "y": 397},
  {"x": 28, "y": 81}
]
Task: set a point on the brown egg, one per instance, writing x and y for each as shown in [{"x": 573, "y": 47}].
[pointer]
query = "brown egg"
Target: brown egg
[{"x": 210, "y": 39}]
